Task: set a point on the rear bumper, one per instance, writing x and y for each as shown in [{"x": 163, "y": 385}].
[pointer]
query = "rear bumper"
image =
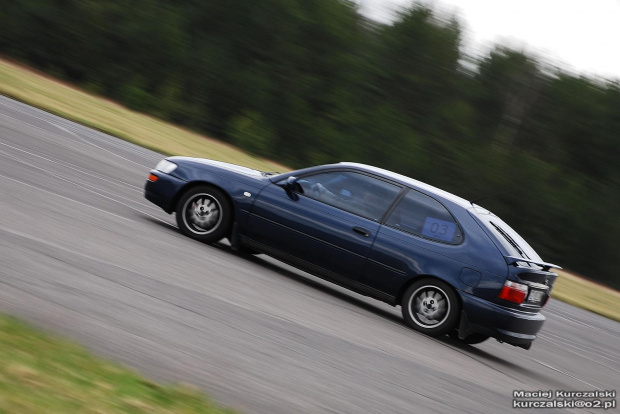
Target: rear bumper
[
  {"x": 164, "y": 191},
  {"x": 508, "y": 325}
]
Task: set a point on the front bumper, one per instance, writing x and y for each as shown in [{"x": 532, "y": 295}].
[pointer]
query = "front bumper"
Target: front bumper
[
  {"x": 505, "y": 324},
  {"x": 163, "y": 192}
]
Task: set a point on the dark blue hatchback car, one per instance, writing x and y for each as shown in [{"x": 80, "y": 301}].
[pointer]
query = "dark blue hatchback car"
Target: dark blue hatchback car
[{"x": 454, "y": 267}]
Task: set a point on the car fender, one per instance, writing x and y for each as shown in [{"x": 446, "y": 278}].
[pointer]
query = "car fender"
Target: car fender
[{"x": 241, "y": 190}]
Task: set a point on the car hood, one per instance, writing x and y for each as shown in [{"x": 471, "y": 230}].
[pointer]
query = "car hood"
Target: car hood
[{"x": 219, "y": 164}]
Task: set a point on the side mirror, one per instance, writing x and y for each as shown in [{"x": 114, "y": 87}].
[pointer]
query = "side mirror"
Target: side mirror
[
  {"x": 292, "y": 187},
  {"x": 291, "y": 183}
]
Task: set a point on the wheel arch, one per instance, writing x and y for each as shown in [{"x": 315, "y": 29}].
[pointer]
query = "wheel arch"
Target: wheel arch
[
  {"x": 194, "y": 184},
  {"x": 411, "y": 281}
]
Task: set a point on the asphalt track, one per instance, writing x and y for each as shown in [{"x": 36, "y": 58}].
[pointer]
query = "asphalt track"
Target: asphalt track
[{"x": 83, "y": 254}]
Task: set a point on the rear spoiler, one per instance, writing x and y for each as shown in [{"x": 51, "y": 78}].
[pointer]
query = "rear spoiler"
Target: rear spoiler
[{"x": 512, "y": 260}]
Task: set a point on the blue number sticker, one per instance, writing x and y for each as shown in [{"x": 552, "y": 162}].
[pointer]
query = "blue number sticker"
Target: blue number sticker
[{"x": 439, "y": 229}]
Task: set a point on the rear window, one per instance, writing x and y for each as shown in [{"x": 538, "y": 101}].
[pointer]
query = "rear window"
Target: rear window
[{"x": 511, "y": 242}]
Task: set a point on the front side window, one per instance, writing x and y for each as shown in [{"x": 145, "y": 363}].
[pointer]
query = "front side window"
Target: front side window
[
  {"x": 350, "y": 191},
  {"x": 424, "y": 216}
]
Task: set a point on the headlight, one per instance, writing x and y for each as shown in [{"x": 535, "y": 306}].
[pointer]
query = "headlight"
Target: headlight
[{"x": 165, "y": 166}]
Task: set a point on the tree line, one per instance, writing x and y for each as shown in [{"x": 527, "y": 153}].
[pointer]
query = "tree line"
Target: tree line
[{"x": 313, "y": 81}]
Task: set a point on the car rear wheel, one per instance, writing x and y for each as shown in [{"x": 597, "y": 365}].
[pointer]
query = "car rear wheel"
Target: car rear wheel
[
  {"x": 204, "y": 213},
  {"x": 430, "y": 306}
]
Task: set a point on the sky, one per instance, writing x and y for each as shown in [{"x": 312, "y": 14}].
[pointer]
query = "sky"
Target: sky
[{"x": 579, "y": 36}]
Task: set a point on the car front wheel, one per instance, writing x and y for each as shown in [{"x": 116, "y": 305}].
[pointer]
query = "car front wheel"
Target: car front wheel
[
  {"x": 430, "y": 306},
  {"x": 204, "y": 213}
]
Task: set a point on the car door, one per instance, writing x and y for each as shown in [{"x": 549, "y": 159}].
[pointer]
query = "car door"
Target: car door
[{"x": 326, "y": 223}]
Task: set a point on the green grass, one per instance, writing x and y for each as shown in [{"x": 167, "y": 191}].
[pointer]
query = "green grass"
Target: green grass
[{"x": 43, "y": 374}]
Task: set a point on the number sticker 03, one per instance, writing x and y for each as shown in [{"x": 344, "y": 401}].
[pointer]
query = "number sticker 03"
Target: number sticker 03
[{"x": 438, "y": 229}]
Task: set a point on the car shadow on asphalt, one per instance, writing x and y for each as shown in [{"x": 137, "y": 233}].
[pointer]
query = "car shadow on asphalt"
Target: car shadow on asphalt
[
  {"x": 322, "y": 286},
  {"x": 335, "y": 291}
]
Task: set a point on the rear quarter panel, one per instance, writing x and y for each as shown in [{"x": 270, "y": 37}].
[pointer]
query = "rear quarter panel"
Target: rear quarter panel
[{"x": 474, "y": 266}]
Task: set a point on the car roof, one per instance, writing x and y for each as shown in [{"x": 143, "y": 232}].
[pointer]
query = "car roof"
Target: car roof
[{"x": 409, "y": 182}]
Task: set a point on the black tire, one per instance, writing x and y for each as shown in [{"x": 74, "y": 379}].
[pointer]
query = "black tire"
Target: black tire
[
  {"x": 430, "y": 306},
  {"x": 204, "y": 213},
  {"x": 471, "y": 339}
]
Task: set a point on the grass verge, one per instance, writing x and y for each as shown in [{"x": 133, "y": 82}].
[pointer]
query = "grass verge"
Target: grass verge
[
  {"x": 41, "y": 91},
  {"x": 44, "y": 374},
  {"x": 587, "y": 295},
  {"x": 69, "y": 102}
]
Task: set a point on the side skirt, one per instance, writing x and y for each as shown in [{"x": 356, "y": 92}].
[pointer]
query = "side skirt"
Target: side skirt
[{"x": 319, "y": 271}]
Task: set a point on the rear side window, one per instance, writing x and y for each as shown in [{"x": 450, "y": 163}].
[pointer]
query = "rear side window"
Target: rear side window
[{"x": 424, "y": 216}]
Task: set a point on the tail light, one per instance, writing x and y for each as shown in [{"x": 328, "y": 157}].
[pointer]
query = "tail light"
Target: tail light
[{"x": 513, "y": 292}]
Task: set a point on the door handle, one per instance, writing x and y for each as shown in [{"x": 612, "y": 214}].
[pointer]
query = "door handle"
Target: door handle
[{"x": 362, "y": 231}]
